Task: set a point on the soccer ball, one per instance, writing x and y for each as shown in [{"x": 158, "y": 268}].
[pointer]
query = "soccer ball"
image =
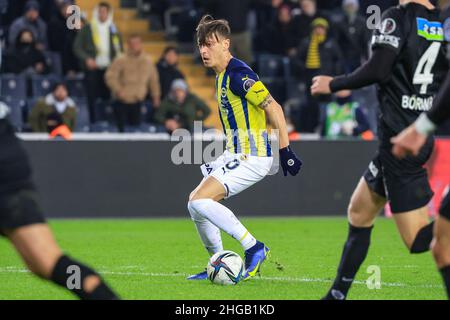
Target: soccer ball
[{"x": 225, "y": 268}]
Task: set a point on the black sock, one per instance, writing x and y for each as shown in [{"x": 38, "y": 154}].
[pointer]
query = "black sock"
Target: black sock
[
  {"x": 445, "y": 272},
  {"x": 423, "y": 239},
  {"x": 353, "y": 255},
  {"x": 70, "y": 274}
]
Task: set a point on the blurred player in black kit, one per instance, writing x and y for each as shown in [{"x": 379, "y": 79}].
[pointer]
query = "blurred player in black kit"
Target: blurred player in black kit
[
  {"x": 408, "y": 65},
  {"x": 22, "y": 222},
  {"x": 412, "y": 139}
]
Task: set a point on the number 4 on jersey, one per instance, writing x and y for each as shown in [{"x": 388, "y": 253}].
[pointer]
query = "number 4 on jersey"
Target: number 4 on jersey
[{"x": 423, "y": 75}]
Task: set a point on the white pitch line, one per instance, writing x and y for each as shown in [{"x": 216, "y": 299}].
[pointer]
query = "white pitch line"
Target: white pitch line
[{"x": 281, "y": 279}]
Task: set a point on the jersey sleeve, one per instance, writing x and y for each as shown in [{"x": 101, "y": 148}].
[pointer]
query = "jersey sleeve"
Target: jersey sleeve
[
  {"x": 391, "y": 33},
  {"x": 446, "y": 26},
  {"x": 246, "y": 84}
]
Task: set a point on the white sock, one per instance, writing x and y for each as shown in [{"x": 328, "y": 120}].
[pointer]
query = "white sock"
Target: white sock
[
  {"x": 209, "y": 233},
  {"x": 223, "y": 218}
]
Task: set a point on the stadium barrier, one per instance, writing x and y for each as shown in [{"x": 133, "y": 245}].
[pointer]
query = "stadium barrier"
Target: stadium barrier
[{"x": 125, "y": 179}]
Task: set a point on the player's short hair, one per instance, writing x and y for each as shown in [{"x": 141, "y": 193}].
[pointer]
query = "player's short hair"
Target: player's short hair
[{"x": 209, "y": 27}]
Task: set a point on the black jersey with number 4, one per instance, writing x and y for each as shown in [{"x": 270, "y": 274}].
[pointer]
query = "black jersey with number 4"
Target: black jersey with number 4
[{"x": 415, "y": 33}]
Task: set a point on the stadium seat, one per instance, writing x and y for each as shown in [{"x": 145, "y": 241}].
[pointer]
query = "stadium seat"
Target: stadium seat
[
  {"x": 82, "y": 124},
  {"x": 13, "y": 87},
  {"x": 273, "y": 66},
  {"x": 16, "y": 116},
  {"x": 42, "y": 84},
  {"x": 76, "y": 87},
  {"x": 31, "y": 102},
  {"x": 54, "y": 62}
]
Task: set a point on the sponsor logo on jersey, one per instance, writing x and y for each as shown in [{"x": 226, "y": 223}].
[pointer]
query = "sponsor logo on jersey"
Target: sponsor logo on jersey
[
  {"x": 385, "y": 39},
  {"x": 416, "y": 103},
  {"x": 224, "y": 92},
  {"x": 447, "y": 30},
  {"x": 430, "y": 30},
  {"x": 388, "y": 26},
  {"x": 248, "y": 83}
]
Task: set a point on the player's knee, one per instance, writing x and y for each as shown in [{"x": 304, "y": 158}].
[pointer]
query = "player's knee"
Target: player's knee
[
  {"x": 192, "y": 195},
  {"x": 191, "y": 209},
  {"x": 199, "y": 195},
  {"x": 358, "y": 217},
  {"x": 441, "y": 251},
  {"x": 194, "y": 209},
  {"x": 197, "y": 208}
]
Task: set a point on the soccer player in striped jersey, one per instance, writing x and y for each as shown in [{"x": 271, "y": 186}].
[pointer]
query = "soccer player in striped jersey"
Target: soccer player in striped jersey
[{"x": 244, "y": 106}]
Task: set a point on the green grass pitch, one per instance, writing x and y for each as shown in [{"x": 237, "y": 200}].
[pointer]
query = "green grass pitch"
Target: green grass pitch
[{"x": 149, "y": 259}]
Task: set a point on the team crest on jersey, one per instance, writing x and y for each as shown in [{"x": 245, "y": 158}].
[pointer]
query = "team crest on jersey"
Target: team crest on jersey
[
  {"x": 223, "y": 92},
  {"x": 388, "y": 26},
  {"x": 447, "y": 30},
  {"x": 430, "y": 30}
]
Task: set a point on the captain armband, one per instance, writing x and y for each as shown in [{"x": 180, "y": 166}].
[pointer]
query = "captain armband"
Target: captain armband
[{"x": 258, "y": 95}]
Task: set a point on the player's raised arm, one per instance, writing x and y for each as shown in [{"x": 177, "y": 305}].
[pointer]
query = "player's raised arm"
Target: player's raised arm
[
  {"x": 375, "y": 70},
  {"x": 386, "y": 45}
]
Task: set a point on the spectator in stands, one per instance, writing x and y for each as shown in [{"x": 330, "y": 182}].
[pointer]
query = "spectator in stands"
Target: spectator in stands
[
  {"x": 344, "y": 118},
  {"x": 267, "y": 11},
  {"x": 181, "y": 108},
  {"x": 30, "y": 21},
  {"x": 51, "y": 8},
  {"x": 61, "y": 38},
  {"x": 318, "y": 54},
  {"x": 167, "y": 70},
  {"x": 57, "y": 128},
  {"x": 352, "y": 35},
  {"x": 24, "y": 57},
  {"x": 280, "y": 37},
  {"x": 131, "y": 77},
  {"x": 303, "y": 18},
  {"x": 96, "y": 46},
  {"x": 55, "y": 104},
  {"x": 57, "y": 28}
]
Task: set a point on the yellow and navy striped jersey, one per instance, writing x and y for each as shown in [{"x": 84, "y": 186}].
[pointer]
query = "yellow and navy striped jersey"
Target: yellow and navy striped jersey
[{"x": 239, "y": 94}]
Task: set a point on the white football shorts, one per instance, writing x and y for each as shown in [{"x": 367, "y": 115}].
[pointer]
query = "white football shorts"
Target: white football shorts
[{"x": 237, "y": 172}]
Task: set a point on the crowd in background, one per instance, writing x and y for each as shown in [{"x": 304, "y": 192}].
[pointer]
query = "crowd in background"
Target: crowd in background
[{"x": 287, "y": 42}]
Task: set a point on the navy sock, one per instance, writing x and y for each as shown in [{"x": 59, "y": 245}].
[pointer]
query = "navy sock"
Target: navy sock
[{"x": 353, "y": 255}]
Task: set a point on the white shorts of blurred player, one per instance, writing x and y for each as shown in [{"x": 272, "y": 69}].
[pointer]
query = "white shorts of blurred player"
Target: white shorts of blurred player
[{"x": 237, "y": 172}]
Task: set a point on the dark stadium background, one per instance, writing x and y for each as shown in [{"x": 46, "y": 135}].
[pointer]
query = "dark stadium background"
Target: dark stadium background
[{"x": 105, "y": 174}]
